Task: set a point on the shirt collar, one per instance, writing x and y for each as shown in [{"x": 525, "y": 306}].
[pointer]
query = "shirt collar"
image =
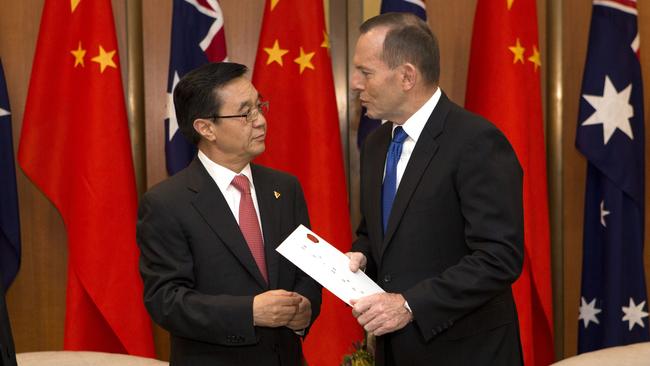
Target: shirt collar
[
  {"x": 221, "y": 175},
  {"x": 415, "y": 124}
]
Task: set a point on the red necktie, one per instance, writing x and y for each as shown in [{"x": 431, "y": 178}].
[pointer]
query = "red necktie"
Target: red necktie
[{"x": 248, "y": 223}]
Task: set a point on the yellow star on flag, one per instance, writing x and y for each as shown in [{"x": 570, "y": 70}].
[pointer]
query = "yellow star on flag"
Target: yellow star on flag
[
  {"x": 73, "y": 5},
  {"x": 275, "y": 53},
  {"x": 510, "y": 3},
  {"x": 535, "y": 58},
  {"x": 104, "y": 59},
  {"x": 518, "y": 51},
  {"x": 274, "y": 3},
  {"x": 79, "y": 54},
  {"x": 305, "y": 60},
  {"x": 326, "y": 40}
]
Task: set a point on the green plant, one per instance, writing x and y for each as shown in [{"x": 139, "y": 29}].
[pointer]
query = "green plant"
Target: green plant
[{"x": 360, "y": 356}]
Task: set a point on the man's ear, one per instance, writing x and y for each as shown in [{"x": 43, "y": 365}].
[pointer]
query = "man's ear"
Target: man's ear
[
  {"x": 204, "y": 128},
  {"x": 409, "y": 75}
]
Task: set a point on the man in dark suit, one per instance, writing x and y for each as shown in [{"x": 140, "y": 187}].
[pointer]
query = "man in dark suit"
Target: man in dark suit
[
  {"x": 7, "y": 351},
  {"x": 208, "y": 235},
  {"x": 442, "y": 216}
]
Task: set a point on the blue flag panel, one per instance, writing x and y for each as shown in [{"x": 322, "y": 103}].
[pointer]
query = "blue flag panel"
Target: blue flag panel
[
  {"x": 610, "y": 134},
  {"x": 9, "y": 220},
  {"x": 197, "y": 33},
  {"x": 417, "y": 7}
]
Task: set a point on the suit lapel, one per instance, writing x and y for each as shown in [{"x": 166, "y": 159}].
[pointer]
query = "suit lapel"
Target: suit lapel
[
  {"x": 212, "y": 206},
  {"x": 424, "y": 151},
  {"x": 269, "y": 215},
  {"x": 376, "y": 161}
]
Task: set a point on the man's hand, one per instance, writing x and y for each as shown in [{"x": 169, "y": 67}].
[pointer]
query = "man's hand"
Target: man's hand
[
  {"x": 302, "y": 317},
  {"x": 275, "y": 308},
  {"x": 357, "y": 261},
  {"x": 381, "y": 313}
]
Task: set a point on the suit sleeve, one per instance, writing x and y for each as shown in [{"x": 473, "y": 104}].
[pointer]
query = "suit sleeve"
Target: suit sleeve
[
  {"x": 305, "y": 285},
  {"x": 489, "y": 188},
  {"x": 166, "y": 266}
]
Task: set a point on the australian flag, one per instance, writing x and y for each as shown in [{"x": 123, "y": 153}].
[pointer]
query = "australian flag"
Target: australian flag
[
  {"x": 613, "y": 305},
  {"x": 417, "y": 7},
  {"x": 198, "y": 37},
  {"x": 9, "y": 220}
]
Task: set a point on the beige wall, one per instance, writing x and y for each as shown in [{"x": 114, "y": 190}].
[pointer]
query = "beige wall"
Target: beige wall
[{"x": 37, "y": 298}]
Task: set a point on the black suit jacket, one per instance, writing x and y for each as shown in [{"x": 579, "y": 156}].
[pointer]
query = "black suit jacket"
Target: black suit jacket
[
  {"x": 200, "y": 277},
  {"x": 7, "y": 351},
  {"x": 454, "y": 242}
]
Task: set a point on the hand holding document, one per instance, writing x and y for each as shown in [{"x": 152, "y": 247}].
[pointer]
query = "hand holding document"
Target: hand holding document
[{"x": 327, "y": 265}]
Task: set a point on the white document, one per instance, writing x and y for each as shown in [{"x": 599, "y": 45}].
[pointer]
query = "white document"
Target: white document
[{"x": 327, "y": 265}]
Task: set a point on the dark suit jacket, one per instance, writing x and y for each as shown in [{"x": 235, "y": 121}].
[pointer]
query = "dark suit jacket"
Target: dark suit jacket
[
  {"x": 7, "y": 351},
  {"x": 454, "y": 242},
  {"x": 200, "y": 277}
]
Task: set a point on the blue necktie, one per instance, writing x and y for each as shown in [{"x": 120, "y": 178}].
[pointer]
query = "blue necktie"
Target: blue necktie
[{"x": 389, "y": 187}]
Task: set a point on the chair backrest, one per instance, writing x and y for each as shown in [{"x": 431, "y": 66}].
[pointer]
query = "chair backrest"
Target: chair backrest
[
  {"x": 637, "y": 354},
  {"x": 79, "y": 358}
]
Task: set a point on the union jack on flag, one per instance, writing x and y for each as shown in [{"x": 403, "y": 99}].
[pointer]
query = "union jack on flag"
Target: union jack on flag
[{"x": 198, "y": 37}]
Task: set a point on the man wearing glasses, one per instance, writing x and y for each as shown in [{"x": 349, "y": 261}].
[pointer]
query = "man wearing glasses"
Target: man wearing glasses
[{"x": 207, "y": 235}]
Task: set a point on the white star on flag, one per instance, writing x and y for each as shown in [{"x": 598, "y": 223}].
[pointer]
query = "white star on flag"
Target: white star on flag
[
  {"x": 171, "y": 110},
  {"x": 588, "y": 312},
  {"x": 613, "y": 110},
  {"x": 4, "y": 112},
  {"x": 634, "y": 314},
  {"x": 603, "y": 213}
]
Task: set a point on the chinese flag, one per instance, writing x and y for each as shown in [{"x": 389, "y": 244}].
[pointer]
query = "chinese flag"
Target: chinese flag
[
  {"x": 504, "y": 86},
  {"x": 293, "y": 71},
  {"x": 75, "y": 148}
]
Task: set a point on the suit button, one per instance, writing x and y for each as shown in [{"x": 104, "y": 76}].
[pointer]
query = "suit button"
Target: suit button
[{"x": 387, "y": 278}]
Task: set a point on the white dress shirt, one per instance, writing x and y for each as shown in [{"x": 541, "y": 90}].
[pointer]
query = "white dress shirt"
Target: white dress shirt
[
  {"x": 413, "y": 128},
  {"x": 223, "y": 176}
]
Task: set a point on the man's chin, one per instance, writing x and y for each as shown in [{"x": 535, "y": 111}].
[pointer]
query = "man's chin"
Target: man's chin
[
  {"x": 258, "y": 150},
  {"x": 371, "y": 114}
]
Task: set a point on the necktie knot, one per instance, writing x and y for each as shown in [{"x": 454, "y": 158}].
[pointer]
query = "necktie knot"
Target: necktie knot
[
  {"x": 241, "y": 183},
  {"x": 399, "y": 135}
]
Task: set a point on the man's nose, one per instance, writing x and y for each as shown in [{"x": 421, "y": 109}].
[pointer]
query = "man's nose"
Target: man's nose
[
  {"x": 356, "y": 82},
  {"x": 260, "y": 121}
]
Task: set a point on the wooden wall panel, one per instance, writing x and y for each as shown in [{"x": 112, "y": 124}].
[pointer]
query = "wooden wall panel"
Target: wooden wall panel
[{"x": 576, "y": 16}]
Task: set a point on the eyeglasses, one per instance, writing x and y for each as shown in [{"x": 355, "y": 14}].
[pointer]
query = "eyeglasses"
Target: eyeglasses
[{"x": 252, "y": 115}]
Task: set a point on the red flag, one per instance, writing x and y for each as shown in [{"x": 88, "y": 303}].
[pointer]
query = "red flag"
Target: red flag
[
  {"x": 75, "y": 147},
  {"x": 293, "y": 71},
  {"x": 504, "y": 86}
]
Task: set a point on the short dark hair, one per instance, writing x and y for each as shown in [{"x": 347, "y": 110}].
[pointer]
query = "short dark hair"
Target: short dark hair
[
  {"x": 409, "y": 39},
  {"x": 196, "y": 94}
]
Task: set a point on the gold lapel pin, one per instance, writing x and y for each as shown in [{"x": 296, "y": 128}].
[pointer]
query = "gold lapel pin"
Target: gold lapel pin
[{"x": 276, "y": 194}]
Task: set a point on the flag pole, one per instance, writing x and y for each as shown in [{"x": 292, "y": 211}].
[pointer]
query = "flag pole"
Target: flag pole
[{"x": 135, "y": 92}]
